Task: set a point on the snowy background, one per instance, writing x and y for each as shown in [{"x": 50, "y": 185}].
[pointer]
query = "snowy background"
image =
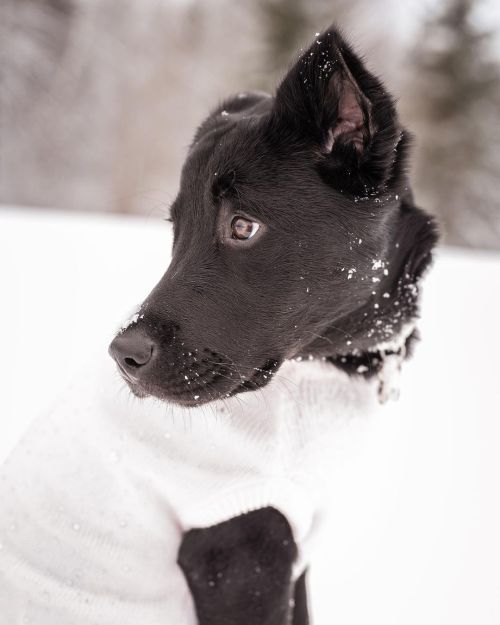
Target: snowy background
[
  {"x": 414, "y": 537},
  {"x": 99, "y": 100}
]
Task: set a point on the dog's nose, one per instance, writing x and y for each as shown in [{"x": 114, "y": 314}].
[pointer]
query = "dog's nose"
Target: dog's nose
[{"x": 132, "y": 350}]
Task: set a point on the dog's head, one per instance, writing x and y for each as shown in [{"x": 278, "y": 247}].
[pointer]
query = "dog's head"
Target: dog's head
[{"x": 294, "y": 233}]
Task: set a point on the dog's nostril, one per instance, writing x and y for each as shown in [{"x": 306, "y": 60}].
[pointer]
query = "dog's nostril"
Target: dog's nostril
[{"x": 131, "y": 362}]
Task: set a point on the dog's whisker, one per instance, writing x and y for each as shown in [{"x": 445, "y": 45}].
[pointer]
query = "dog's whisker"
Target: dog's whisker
[
  {"x": 319, "y": 336},
  {"x": 235, "y": 365},
  {"x": 222, "y": 375}
]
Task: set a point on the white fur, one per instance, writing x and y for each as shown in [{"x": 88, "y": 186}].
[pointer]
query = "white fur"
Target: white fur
[{"x": 96, "y": 496}]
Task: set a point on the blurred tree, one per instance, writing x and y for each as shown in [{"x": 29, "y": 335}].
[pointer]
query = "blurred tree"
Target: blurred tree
[
  {"x": 99, "y": 98},
  {"x": 286, "y": 22},
  {"x": 456, "y": 88},
  {"x": 289, "y": 24}
]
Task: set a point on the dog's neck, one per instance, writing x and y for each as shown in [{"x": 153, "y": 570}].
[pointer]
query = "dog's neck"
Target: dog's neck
[
  {"x": 384, "y": 323},
  {"x": 374, "y": 339},
  {"x": 383, "y": 360},
  {"x": 384, "y": 327}
]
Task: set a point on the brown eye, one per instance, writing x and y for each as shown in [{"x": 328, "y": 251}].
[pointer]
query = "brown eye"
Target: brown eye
[{"x": 243, "y": 229}]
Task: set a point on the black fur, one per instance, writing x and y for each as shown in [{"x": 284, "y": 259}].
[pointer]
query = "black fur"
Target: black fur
[
  {"x": 240, "y": 572},
  {"x": 333, "y": 270},
  {"x": 332, "y": 273},
  {"x": 300, "y": 610}
]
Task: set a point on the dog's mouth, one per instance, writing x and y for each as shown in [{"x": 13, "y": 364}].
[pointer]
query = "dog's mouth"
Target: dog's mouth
[
  {"x": 192, "y": 387},
  {"x": 260, "y": 377}
]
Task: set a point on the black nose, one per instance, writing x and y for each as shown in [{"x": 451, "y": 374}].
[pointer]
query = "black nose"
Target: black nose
[{"x": 133, "y": 351}]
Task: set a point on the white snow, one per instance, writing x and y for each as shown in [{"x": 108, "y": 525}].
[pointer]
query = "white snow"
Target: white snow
[
  {"x": 133, "y": 318},
  {"x": 397, "y": 343},
  {"x": 414, "y": 536}
]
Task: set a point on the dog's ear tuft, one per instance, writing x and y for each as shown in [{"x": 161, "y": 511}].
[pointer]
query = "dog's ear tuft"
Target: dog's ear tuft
[{"x": 332, "y": 102}]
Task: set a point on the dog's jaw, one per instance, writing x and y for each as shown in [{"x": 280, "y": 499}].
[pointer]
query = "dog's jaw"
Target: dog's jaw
[{"x": 205, "y": 393}]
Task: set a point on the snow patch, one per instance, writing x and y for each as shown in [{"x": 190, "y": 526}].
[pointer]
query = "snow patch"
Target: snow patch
[{"x": 133, "y": 318}]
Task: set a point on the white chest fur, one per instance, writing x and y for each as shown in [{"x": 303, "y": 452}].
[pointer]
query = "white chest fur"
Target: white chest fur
[{"x": 98, "y": 493}]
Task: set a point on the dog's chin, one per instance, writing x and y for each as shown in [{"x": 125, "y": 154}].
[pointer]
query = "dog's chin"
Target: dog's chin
[{"x": 207, "y": 393}]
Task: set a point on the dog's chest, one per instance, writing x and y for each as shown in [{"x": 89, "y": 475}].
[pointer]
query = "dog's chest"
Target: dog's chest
[{"x": 98, "y": 494}]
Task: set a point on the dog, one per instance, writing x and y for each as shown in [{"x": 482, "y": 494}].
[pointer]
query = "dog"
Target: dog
[{"x": 290, "y": 302}]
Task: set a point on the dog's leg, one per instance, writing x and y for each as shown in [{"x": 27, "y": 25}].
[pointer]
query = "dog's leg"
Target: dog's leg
[
  {"x": 300, "y": 611},
  {"x": 239, "y": 572}
]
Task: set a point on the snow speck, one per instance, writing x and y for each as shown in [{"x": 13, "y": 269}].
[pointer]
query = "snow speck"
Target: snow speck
[
  {"x": 196, "y": 397},
  {"x": 131, "y": 320},
  {"x": 75, "y": 527},
  {"x": 224, "y": 113},
  {"x": 375, "y": 279},
  {"x": 377, "y": 264}
]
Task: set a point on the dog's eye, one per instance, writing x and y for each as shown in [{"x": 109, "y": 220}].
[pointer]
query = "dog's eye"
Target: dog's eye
[{"x": 243, "y": 229}]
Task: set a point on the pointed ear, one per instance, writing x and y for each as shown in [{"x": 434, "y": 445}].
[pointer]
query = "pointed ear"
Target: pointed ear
[
  {"x": 333, "y": 103},
  {"x": 353, "y": 123}
]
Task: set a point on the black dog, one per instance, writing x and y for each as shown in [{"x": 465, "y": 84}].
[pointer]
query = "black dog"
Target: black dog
[{"x": 295, "y": 235}]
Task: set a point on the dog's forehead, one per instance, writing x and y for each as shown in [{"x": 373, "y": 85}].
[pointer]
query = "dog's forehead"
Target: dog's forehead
[
  {"x": 273, "y": 177},
  {"x": 241, "y": 151},
  {"x": 233, "y": 143}
]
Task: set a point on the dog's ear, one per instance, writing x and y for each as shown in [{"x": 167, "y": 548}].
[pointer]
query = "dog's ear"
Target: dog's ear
[{"x": 330, "y": 101}]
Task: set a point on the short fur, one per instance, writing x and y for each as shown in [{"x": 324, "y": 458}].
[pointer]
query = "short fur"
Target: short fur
[{"x": 332, "y": 273}]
